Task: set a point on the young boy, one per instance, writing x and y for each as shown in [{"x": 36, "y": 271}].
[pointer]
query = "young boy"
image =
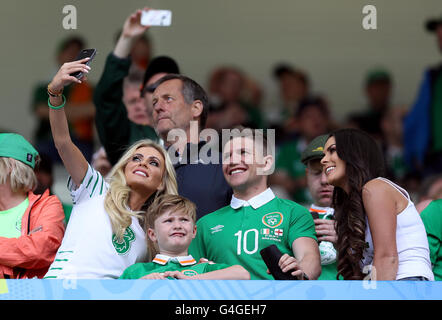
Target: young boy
[{"x": 170, "y": 227}]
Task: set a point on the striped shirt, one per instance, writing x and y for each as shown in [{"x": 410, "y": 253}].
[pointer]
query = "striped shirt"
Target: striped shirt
[{"x": 89, "y": 248}]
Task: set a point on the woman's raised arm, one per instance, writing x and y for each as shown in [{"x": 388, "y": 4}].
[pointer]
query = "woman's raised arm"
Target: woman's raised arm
[{"x": 73, "y": 160}]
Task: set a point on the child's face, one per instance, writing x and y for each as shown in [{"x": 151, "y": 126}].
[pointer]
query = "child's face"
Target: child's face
[{"x": 173, "y": 232}]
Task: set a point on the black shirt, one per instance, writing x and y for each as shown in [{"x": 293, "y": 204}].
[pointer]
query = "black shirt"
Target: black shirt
[{"x": 202, "y": 182}]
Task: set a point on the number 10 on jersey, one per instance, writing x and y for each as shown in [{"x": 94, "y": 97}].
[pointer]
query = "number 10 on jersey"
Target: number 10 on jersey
[{"x": 243, "y": 240}]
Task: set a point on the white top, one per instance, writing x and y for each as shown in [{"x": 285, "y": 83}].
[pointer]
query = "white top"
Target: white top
[
  {"x": 89, "y": 248},
  {"x": 411, "y": 242}
]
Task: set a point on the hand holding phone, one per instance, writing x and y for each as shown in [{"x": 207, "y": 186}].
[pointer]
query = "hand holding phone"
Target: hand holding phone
[
  {"x": 271, "y": 256},
  {"x": 86, "y": 53},
  {"x": 160, "y": 18}
]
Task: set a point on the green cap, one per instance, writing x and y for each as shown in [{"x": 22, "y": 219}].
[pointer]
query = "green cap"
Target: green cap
[
  {"x": 14, "y": 146},
  {"x": 377, "y": 75},
  {"x": 315, "y": 149}
]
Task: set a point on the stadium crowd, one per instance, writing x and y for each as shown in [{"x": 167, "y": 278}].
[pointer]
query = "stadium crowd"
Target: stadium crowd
[{"x": 166, "y": 195}]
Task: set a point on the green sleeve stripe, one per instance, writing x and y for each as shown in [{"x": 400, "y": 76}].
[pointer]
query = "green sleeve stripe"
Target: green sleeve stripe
[
  {"x": 61, "y": 260},
  {"x": 56, "y": 269},
  {"x": 102, "y": 183},
  {"x": 66, "y": 251},
  {"x": 96, "y": 181},
  {"x": 50, "y": 277},
  {"x": 89, "y": 182}
]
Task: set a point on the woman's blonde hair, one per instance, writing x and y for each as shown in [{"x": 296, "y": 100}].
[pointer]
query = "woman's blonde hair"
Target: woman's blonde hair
[
  {"x": 160, "y": 206},
  {"x": 117, "y": 197},
  {"x": 22, "y": 177}
]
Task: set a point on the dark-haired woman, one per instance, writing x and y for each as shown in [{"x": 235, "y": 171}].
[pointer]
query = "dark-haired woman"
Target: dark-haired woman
[{"x": 379, "y": 230}]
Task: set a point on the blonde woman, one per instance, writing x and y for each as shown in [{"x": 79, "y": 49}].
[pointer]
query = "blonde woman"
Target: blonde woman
[
  {"x": 104, "y": 235},
  {"x": 31, "y": 225}
]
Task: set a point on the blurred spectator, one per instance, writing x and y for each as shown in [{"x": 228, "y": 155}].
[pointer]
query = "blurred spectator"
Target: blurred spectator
[
  {"x": 422, "y": 129},
  {"x": 294, "y": 86},
  {"x": 100, "y": 162},
  {"x": 140, "y": 53},
  {"x": 45, "y": 180},
  {"x": 378, "y": 88},
  {"x": 430, "y": 189},
  {"x": 391, "y": 130},
  {"x": 31, "y": 225},
  {"x": 116, "y": 131},
  {"x": 234, "y": 100},
  {"x": 44, "y": 173},
  {"x": 313, "y": 120},
  {"x": 81, "y": 110},
  {"x": 136, "y": 107}
]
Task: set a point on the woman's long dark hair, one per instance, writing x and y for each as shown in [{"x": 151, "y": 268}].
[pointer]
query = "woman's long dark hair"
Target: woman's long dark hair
[{"x": 364, "y": 161}]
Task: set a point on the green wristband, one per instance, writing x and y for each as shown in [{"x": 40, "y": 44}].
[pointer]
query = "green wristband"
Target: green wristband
[{"x": 58, "y": 107}]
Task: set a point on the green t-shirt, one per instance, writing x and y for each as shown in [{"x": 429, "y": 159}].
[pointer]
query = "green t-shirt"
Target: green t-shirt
[
  {"x": 236, "y": 236},
  {"x": 10, "y": 220},
  {"x": 139, "y": 270},
  {"x": 432, "y": 218}
]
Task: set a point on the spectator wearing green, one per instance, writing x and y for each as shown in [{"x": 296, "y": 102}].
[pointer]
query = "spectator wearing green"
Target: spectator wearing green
[
  {"x": 312, "y": 119},
  {"x": 31, "y": 225},
  {"x": 322, "y": 193},
  {"x": 256, "y": 218},
  {"x": 432, "y": 218}
]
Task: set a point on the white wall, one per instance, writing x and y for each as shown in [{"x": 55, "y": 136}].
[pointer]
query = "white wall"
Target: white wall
[{"x": 325, "y": 38}]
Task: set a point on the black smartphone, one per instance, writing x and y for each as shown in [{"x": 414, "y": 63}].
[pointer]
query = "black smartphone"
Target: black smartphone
[
  {"x": 85, "y": 53},
  {"x": 271, "y": 256}
]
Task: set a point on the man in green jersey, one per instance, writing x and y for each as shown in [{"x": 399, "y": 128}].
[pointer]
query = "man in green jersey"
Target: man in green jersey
[
  {"x": 432, "y": 218},
  {"x": 256, "y": 218}
]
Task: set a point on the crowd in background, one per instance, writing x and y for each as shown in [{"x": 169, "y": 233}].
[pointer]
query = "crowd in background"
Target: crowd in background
[
  {"x": 410, "y": 137},
  {"x": 237, "y": 99}
]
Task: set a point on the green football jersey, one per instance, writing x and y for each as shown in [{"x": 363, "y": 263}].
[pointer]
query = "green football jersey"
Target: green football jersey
[
  {"x": 139, "y": 270},
  {"x": 236, "y": 236},
  {"x": 432, "y": 218}
]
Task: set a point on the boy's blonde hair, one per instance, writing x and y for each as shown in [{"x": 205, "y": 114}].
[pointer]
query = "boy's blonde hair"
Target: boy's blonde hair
[
  {"x": 161, "y": 205},
  {"x": 22, "y": 177}
]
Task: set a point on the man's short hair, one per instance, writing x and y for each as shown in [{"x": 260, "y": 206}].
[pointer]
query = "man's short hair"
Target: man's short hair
[
  {"x": 253, "y": 134},
  {"x": 191, "y": 92}
]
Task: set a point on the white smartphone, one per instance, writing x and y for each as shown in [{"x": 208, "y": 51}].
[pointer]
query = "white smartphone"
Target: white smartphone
[{"x": 161, "y": 18}]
